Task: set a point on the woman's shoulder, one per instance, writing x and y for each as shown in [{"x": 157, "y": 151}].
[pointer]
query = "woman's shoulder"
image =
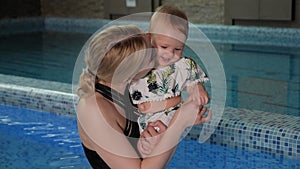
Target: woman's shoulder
[
  {"x": 87, "y": 104},
  {"x": 97, "y": 105}
]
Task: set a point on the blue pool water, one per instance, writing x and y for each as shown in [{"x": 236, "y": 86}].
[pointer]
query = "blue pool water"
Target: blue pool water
[
  {"x": 46, "y": 56},
  {"x": 258, "y": 77},
  {"x": 33, "y": 139}
]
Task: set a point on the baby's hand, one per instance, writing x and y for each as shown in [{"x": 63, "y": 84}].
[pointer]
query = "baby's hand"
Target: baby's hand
[{"x": 198, "y": 96}]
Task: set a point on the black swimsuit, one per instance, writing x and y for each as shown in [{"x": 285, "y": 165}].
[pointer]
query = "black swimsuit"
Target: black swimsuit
[{"x": 131, "y": 129}]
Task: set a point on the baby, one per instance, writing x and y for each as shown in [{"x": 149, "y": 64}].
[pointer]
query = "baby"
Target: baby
[{"x": 158, "y": 94}]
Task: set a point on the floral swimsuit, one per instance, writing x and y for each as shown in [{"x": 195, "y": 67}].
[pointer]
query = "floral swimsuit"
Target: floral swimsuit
[{"x": 162, "y": 83}]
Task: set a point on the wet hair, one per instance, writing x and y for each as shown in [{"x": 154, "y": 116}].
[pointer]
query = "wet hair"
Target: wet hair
[
  {"x": 173, "y": 16},
  {"x": 113, "y": 55}
]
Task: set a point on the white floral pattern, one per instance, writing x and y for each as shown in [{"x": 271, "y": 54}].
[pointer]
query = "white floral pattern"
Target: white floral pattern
[{"x": 166, "y": 82}]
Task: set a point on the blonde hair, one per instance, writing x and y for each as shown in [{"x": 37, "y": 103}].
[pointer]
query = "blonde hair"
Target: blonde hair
[
  {"x": 171, "y": 15},
  {"x": 107, "y": 50}
]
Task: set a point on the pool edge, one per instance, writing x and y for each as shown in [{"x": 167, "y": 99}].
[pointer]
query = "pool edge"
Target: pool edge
[{"x": 229, "y": 132}]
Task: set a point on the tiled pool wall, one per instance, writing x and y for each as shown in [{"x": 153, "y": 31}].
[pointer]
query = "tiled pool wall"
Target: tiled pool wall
[
  {"x": 38, "y": 99},
  {"x": 216, "y": 33},
  {"x": 246, "y": 129}
]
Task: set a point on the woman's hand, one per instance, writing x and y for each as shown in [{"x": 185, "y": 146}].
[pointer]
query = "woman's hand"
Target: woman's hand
[
  {"x": 200, "y": 116},
  {"x": 150, "y": 137}
]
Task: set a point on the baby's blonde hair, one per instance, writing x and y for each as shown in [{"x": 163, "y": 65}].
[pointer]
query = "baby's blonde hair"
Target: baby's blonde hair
[
  {"x": 173, "y": 16},
  {"x": 105, "y": 53}
]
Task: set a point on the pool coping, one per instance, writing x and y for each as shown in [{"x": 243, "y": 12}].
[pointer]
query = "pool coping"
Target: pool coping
[{"x": 232, "y": 130}]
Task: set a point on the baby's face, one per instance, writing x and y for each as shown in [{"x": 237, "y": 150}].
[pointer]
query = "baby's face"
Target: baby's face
[{"x": 169, "y": 50}]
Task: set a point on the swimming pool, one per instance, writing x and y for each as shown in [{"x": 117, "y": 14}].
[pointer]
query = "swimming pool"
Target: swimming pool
[
  {"x": 262, "y": 76},
  {"x": 35, "y": 139}
]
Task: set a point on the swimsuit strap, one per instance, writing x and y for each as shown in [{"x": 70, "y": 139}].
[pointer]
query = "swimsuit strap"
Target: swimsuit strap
[
  {"x": 110, "y": 94},
  {"x": 124, "y": 101}
]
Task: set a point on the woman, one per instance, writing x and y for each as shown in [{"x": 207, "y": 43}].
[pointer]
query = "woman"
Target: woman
[{"x": 106, "y": 120}]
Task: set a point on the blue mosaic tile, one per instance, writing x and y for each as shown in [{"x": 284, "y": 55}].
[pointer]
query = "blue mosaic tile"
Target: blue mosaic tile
[
  {"x": 36, "y": 83},
  {"x": 217, "y": 33},
  {"x": 238, "y": 129},
  {"x": 11, "y": 26},
  {"x": 74, "y": 25},
  {"x": 38, "y": 99},
  {"x": 252, "y": 35}
]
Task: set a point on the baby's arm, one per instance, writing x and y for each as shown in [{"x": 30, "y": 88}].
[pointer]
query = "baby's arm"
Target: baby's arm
[
  {"x": 198, "y": 94},
  {"x": 196, "y": 91}
]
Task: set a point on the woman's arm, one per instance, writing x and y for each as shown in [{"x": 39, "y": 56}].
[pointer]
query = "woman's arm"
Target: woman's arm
[
  {"x": 187, "y": 115},
  {"x": 148, "y": 142},
  {"x": 106, "y": 137}
]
